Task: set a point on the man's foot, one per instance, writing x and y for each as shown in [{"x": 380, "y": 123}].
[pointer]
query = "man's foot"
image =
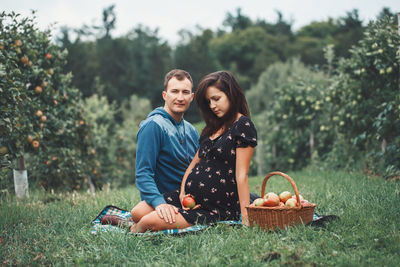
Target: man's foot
[{"x": 116, "y": 220}]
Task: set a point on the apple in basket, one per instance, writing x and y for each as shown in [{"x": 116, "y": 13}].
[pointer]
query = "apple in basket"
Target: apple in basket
[
  {"x": 291, "y": 203},
  {"x": 259, "y": 202},
  {"x": 304, "y": 202},
  {"x": 188, "y": 202},
  {"x": 271, "y": 199},
  {"x": 285, "y": 195},
  {"x": 300, "y": 196}
]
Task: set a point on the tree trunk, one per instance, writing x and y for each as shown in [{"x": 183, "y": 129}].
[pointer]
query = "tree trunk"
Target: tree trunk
[
  {"x": 92, "y": 188},
  {"x": 21, "y": 179},
  {"x": 398, "y": 30},
  {"x": 384, "y": 145},
  {"x": 312, "y": 143}
]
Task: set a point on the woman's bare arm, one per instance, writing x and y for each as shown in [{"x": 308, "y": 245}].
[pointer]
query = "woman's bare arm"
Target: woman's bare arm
[{"x": 243, "y": 158}]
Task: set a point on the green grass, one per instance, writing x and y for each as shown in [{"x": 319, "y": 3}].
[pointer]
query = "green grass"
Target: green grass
[{"x": 54, "y": 229}]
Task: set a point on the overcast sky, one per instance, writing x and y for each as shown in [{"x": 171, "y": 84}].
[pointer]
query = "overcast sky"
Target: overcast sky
[{"x": 170, "y": 16}]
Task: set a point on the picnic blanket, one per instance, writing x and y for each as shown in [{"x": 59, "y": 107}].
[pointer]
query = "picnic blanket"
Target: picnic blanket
[{"x": 124, "y": 214}]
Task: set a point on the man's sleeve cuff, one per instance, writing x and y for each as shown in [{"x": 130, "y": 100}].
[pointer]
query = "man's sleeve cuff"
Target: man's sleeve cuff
[{"x": 157, "y": 201}]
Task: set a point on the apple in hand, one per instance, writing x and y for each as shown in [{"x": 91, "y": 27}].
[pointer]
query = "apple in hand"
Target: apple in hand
[
  {"x": 259, "y": 202},
  {"x": 271, "y": 199},
  {"x": 284, "y": 196},
  {"x": 188, "y": 202},
  {"x": 291, "y": 203}
]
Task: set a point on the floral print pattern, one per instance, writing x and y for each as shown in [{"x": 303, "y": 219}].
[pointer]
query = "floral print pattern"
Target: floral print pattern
[{"x": 214, "y": 175}]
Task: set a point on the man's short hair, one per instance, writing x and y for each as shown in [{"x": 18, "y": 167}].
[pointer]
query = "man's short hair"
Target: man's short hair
[{"x": 180, "y": 75}]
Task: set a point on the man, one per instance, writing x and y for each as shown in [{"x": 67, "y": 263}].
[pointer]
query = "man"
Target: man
[{"x": 166, "y": 144}]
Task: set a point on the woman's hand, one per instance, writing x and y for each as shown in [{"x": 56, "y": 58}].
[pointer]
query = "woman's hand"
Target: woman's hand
[
  {"x": 182, "y": 195},
  {"x": 245, "y": 220}
]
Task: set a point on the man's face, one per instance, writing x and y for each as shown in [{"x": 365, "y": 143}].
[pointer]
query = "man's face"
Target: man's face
[{"x": 177, "y": 96}]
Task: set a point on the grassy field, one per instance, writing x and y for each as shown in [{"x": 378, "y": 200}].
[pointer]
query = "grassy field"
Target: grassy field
[{"x": 54, "y": 229}]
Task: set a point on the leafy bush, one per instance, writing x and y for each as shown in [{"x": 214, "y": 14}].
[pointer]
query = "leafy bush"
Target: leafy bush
[{"x": 113, "y": 145}]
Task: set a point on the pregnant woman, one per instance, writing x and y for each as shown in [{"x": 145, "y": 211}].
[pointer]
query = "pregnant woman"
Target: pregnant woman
[{"x": 217, "y": 177}]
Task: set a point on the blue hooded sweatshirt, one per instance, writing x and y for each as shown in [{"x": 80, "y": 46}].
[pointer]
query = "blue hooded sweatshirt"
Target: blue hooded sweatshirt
[{"x": 165, "y": 149}]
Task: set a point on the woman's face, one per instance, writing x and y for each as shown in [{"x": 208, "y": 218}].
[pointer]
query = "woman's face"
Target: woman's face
[{"x": 218, "y": 101}]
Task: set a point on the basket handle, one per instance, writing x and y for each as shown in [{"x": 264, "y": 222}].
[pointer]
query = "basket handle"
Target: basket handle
[{"x": 296, "y": 191}]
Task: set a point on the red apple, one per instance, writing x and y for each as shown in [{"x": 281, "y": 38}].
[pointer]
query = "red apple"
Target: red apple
[
  {"x": 188, "y": 202},
  {"x": 35, "y": 144},
  {"x": 304, "y": 202},
  {"x": 30, "y": 138},
  {"x": 281, "y": 204},
  {"x": 259, "y": 202},
  {"x": 38, "y": 90},
  {"x": 48, "y": 55},
  {"x": 39, "y": 113},
  {"x": 43, "y": 118},
  {"x": 285, "y": 195},
  {"x": 271, "y": 199},
  {"x": 291, "y": 203},
  {"x": 24, "y": 60}
]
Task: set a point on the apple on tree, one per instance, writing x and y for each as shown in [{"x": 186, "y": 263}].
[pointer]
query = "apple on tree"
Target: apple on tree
[
  {"x": 18, "y": 42},
  {"x": 39, "y": 113},
  {"x": 24, "y": 60},
  {"x": 30, "y": 138},
  {"x": 38, "y": 90},
  {"x": 35, "y": 144}
]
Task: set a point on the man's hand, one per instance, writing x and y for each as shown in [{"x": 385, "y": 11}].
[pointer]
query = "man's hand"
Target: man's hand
[{"x": 167, "y": 212}]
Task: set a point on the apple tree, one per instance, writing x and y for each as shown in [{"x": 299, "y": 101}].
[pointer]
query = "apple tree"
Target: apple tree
[
  {"x": 366, "y": 95},
  {"x": 292, "y": 118},
  {"x": 40, "y": 119}
]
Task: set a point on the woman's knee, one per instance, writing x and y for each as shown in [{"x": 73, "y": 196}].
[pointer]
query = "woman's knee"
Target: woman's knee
[
  {"x": 153, "y": 222},
  {"x": 148, "y": 222},
  {"x": 140, "y": 210}
]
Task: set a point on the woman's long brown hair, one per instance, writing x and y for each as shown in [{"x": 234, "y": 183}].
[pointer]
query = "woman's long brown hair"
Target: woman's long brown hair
[{"x": 224, "y": 81}]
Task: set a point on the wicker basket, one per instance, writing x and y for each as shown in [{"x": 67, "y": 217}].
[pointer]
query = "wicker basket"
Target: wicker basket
[{"x": 280, "y": 217}]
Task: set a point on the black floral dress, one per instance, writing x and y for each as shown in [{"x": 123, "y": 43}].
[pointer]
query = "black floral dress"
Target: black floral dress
[{"x": 212, "y": 181}]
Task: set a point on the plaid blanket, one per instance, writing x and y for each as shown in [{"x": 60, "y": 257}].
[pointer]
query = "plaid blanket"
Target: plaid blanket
[{"x": 124, "y": 214}]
